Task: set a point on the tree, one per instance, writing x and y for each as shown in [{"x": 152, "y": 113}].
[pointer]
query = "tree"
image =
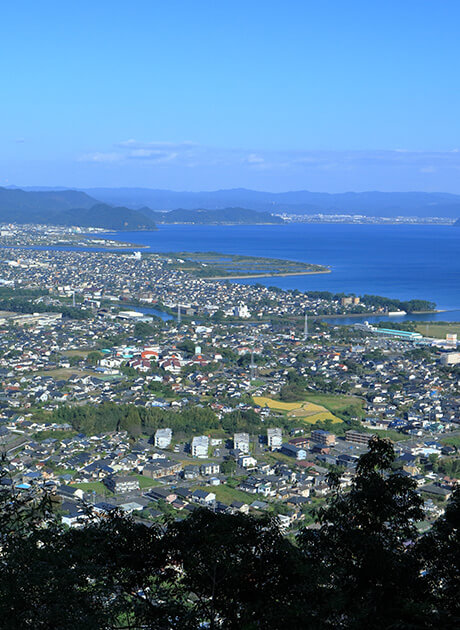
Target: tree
[
  {"x": 187, "y": 346},
  {"x": 228, "y": 467},
  {"x": 94, "y": 357},
  {"x": 246, "y": 575},
  {"x": 439, "y": 549},
  {"x": 364, "y": 577},
  {"x": 131, "y": 422},
  {"x": 142, "y": 330}
]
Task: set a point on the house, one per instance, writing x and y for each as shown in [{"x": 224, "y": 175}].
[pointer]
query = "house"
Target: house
[
  {"x": 210, "y": 469},
  {"x": 200, "y": 446},
  {"x": 118, "y": 484},
  {"x": 323, "y": 437},
  {"x": 274, "y": 438},
  {"x": 241, "y": 442},
  {"x": 294, "y": 451},
  {"x": 247, "y": 461},
  {"x": 69, "y": 492},
  {"x": 73, "y": 515},
  {"x": 163, "y": 438},
  {"x": 203, "y": 497},
  {"x": 300, "y": 442},
  {"x": 161, "y": 468},
  {"x": 239, "y": 506},
  {"x": 165, "y": 494},
  {"x": 190, "y": 472},
  {"x": 438, "y": 491},
  {"x": 284, "y": 521}
]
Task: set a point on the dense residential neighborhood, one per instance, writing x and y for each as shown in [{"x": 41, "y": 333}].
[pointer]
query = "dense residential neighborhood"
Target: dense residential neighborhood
[{"x": 215, "y": 412}]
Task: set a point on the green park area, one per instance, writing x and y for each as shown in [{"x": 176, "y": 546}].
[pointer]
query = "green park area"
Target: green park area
[
  {"x": 100, "y": 488},
  {"x": 438, "y": 330},
  {"x": 227, "y": 495}
]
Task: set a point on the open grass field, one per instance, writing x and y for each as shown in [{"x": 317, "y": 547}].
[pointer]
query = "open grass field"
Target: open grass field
[
  {"x": 100, "y": 488},
  {"x": 90, "y": 486},
  {"x": 65, "y": 373},
  {"x": 145, "y": 482},
  {"x": 438, "y": 331},
  {"x": 452, "y": 440},
  {"x": 303, "y": 410},
  {"x": 334, "y": 402},
  {"x": 228, "y": 495}
]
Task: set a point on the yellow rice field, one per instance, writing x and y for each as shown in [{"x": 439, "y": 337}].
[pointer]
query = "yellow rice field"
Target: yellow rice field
[{"x": 306, "y": 411}]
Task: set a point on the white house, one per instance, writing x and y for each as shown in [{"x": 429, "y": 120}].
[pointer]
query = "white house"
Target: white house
[
  {"x": 274, "y": 438},
  {"x": 200, "y": 446},
  {"x": 247, "y": 461},
  {"x": 241, "y": 442},
  {"x": 163, "y": 438}
]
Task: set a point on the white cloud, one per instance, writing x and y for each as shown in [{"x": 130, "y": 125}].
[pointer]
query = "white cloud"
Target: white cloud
[
  {"x": 299, "y": 163},
  {"x": 101, "y": 157},
  {"x": 253, "y": 158},
  {"x": 136, "y": 144}
]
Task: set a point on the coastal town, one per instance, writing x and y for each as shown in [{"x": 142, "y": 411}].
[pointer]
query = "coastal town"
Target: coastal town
[{"x": 130, "y": 382}]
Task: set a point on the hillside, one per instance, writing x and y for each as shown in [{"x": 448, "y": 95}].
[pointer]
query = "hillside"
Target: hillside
[
  {"x": 20, "y": 201},
  {"x": 67, "y": 207},
  {"x": 389, "y": 204},
  {"x": 223, "y": 216}
]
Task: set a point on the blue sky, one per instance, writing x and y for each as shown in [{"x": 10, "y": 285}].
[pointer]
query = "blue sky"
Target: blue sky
[{"x": 325, "y": 95}]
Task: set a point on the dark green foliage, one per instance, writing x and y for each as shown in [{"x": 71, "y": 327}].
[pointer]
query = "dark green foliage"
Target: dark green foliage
[
  {"x": 142, "y": 330},
  {"x": 94, "y": 357},
  {"x": 439, "y": 550},
  {"x": 91, "y": 419},
  {"x": 241, "y": 421},
  {"x": 246, "y": 575},
  {"x": 187, "y": 346},
  {"x": 366, "y": 567},
  {"x": 245, "y": 360},
  {"x": 23, "y": 305},
  {"x": 295, "y": 387},
  {"x": 365, "y": 576},
  {"x": 228, "y": 467},
  {"x": 390, "y": 304}
]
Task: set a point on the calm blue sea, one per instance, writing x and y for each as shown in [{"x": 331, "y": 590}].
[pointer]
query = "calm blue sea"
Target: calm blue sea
[{"x": 400, "y": 261}]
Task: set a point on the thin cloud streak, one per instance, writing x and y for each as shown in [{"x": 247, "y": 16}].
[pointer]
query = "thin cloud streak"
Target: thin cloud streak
[{"x": 175, "y": 157}]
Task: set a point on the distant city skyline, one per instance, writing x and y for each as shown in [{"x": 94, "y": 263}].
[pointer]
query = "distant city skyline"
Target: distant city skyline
[{"x": 327, "y": 96}]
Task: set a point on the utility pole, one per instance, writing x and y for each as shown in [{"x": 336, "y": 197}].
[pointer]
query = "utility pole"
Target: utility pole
[
  {"x": 178, "y": 314},
  {"x": 73, "y": 299},
  {"x": 252, "y": 366}
]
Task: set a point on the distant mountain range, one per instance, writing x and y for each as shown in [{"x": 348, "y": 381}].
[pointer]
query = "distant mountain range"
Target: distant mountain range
[
  {"x": 67, "y": 207},
  {"x": 71, "y": 207},
  {"x": 138, "y": 208},
  {"x": 379, "y": 204}
]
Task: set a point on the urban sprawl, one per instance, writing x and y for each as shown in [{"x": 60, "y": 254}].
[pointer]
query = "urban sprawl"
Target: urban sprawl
[{"x": 128, "y": 382}]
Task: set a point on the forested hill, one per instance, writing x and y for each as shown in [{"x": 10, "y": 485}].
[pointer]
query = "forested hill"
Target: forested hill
[
  {"x": 225, "y": 215},
  {"x": 67, "y": 207}
]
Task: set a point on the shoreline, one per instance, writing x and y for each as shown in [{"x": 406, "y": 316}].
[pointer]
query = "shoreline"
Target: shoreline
[
  {"x": 268, "y": 275},
  {"x": 375, "y": 314}
]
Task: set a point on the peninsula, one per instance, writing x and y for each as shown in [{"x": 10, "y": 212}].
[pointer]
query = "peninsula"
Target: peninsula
[{"x": 217, "y": 266}]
